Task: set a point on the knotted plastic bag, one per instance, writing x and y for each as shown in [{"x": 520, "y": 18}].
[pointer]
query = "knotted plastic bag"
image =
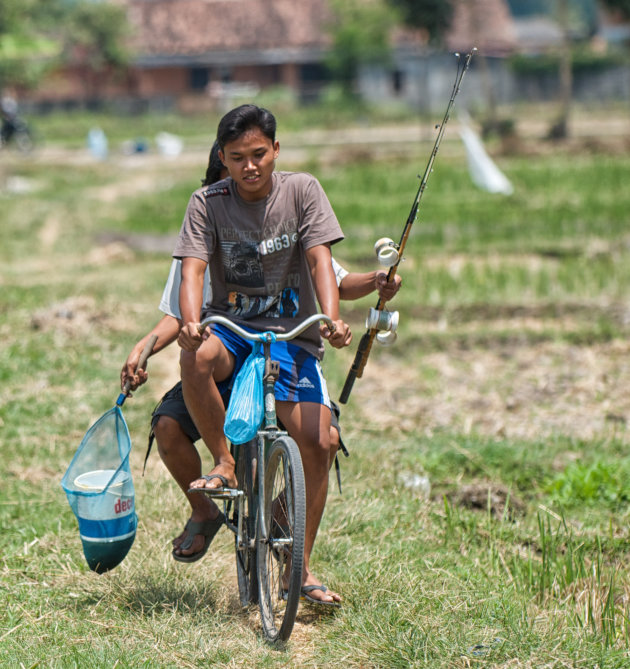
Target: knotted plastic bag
[
  {"x": 246, "y": 408},
  {"x": 99, "y": 488}
]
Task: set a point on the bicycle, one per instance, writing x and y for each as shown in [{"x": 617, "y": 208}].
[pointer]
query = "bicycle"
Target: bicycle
[{"x": 267, "y": 512}]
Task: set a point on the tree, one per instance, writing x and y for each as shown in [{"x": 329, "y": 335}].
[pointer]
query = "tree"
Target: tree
[
  {"x": 560, "y": 129},
  {"x": 39, "y": 35},
  {"x": 26, "y": 46},
  {"x": 574, "y": 18},
  {"x": 433, "y": 16},
  {"x": 360, "y": 33},
  {"x": 95, "y": 42}
]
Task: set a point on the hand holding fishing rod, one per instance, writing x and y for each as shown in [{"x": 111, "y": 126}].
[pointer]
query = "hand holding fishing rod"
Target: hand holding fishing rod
[{"x": 382, "y": 324}]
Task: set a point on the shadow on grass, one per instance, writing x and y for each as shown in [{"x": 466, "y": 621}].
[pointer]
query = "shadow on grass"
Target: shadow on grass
[{"x": 150, "y": 595}]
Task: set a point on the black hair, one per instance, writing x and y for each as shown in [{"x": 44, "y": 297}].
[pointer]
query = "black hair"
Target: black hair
[
  {"x": 241, "y": 119},
  {"x": 215, "y": 166}
]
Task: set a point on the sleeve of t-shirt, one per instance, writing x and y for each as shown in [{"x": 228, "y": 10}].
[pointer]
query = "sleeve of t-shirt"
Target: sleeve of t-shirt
[
  {"x": 169, "y": 303},
  {"x": 340, "y": 272},
  {"x": 318, "y": 225},
  {"x": 196, "y": 236}
]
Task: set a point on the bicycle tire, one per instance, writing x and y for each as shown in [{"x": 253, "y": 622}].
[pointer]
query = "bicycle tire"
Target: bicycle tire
[
  {"x": 246, "y": 571},
  {"x": 283, "y": 547}
]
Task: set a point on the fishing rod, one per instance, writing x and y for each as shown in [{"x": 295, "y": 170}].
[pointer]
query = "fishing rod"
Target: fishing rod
[{"x": 381, "y": 325}]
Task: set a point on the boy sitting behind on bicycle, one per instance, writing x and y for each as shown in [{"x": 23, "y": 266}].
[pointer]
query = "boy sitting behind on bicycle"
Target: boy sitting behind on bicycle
[{"x": 265, "y": 237}]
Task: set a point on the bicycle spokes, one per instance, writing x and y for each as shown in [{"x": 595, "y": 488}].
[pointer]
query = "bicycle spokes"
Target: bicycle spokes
[{"x": 281, "y": 552}]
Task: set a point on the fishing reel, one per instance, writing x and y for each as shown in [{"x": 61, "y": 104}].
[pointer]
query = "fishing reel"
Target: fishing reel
[
  {"x": 386, "y": 322},
  {"x": 386, "y": 251}
]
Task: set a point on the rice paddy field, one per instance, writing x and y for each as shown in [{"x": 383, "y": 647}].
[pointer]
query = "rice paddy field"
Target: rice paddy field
[{"x": 484, "y": 513}]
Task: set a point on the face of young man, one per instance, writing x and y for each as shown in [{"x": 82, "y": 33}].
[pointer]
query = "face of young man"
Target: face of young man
[{"x": 250, "y": 161}]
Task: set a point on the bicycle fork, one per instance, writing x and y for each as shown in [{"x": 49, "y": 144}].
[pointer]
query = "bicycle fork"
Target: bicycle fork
[{"x": 268, "y": 434}]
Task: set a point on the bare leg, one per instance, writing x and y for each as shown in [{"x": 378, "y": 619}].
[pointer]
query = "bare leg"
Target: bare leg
[
  {"x": 183, "y": 462},
  {"x": 309, "y": 424},
  {"x": 200, "y": 372}
]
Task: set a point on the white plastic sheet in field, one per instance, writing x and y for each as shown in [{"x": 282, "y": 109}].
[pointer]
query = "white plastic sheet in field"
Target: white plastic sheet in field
[{"x": 483, "y": 171}]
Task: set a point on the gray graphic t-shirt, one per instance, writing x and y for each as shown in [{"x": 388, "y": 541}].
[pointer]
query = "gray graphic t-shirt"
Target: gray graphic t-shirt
[{"x": 255, "y": 251}]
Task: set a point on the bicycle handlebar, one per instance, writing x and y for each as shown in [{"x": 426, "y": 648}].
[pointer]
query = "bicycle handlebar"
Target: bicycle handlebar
[{"x": 263, "y": 336}]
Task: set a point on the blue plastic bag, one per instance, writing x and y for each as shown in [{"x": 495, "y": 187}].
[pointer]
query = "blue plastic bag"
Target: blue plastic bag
[{"x": 246, "y": 408}]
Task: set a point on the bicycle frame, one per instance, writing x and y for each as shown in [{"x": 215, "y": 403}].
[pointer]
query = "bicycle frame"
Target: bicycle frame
[
  {"x": 270, "y": 430},
  {"x": 269, "y": 503}
]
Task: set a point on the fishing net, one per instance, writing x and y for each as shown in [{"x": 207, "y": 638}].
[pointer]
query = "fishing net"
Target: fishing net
[{"x": 99, "y": 488}]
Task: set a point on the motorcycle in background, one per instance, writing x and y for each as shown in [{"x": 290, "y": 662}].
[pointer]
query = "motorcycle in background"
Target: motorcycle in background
[{"x": 14, "y": 130}]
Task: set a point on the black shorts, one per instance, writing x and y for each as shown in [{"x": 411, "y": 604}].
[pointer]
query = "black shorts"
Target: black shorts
[{"x": 173, "y": 406}]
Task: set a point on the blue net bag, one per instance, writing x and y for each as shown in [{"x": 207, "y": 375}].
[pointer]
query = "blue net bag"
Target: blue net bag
[
  {"x": 99, "y": 488},
  {"x": 246, "y": 408}
]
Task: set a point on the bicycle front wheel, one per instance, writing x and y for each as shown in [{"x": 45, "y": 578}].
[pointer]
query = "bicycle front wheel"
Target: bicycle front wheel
[
  {"x": 245, "y": 543},
  {"x": 281, "y": 527}
]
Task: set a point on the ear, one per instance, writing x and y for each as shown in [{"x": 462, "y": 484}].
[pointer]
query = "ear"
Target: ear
[
  {"x": 276, "y": 149},
  {"x": 221, "y": 156}
]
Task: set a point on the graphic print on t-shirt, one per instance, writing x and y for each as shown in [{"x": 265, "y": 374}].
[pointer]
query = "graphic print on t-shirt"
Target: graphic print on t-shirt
[
  {"x": 241, "y": 264},
  {"x": 285, "y": 305},
  {"x": 262, "y": 268}
]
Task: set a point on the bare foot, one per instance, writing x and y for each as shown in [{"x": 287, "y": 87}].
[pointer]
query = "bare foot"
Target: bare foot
[
  {"x": 176, "y": 543},
  {"x": 221, "y": 476}
]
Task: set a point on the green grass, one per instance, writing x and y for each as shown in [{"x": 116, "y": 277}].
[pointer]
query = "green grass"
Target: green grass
[{"x": 509, "y": 379}]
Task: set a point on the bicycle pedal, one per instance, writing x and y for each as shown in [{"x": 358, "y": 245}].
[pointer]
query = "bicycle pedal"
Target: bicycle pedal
[{"x": 219, "y": 493}]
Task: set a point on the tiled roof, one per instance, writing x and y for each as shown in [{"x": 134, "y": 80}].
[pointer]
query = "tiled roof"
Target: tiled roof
[
  {"x": 486, "y": 24},
  {"x": 167, "y": 29},
  {"x": 188, "y": 27}
]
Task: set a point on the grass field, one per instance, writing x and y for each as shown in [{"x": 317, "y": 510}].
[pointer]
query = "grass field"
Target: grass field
[{"x": 508, "y": 392}]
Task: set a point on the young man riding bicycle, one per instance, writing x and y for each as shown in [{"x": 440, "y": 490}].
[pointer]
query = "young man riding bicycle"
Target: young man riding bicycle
[{"x": 265, "y": 237}]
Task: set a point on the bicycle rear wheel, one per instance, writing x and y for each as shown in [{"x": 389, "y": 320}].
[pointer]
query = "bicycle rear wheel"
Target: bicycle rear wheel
[
  {"x": 281, "y": 552},
  {"x": 246, "y": 549}
]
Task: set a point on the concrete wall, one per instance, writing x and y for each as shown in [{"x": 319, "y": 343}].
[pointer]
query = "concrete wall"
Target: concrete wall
[{"x": 425, "y": 83}]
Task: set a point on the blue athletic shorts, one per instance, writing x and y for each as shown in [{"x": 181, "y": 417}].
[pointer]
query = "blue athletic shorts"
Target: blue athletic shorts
[{"x": 300, "y": 379}]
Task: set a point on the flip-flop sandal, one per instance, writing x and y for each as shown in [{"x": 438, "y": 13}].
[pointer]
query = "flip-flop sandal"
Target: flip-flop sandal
[
  {"x": 213, "y": 491},
  {"x": 305, "y": 595},
  {"x": 207, "y": 528}
]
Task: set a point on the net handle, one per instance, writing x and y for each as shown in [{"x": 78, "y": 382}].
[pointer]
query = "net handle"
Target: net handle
[{"x": 144, "y": 356}]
